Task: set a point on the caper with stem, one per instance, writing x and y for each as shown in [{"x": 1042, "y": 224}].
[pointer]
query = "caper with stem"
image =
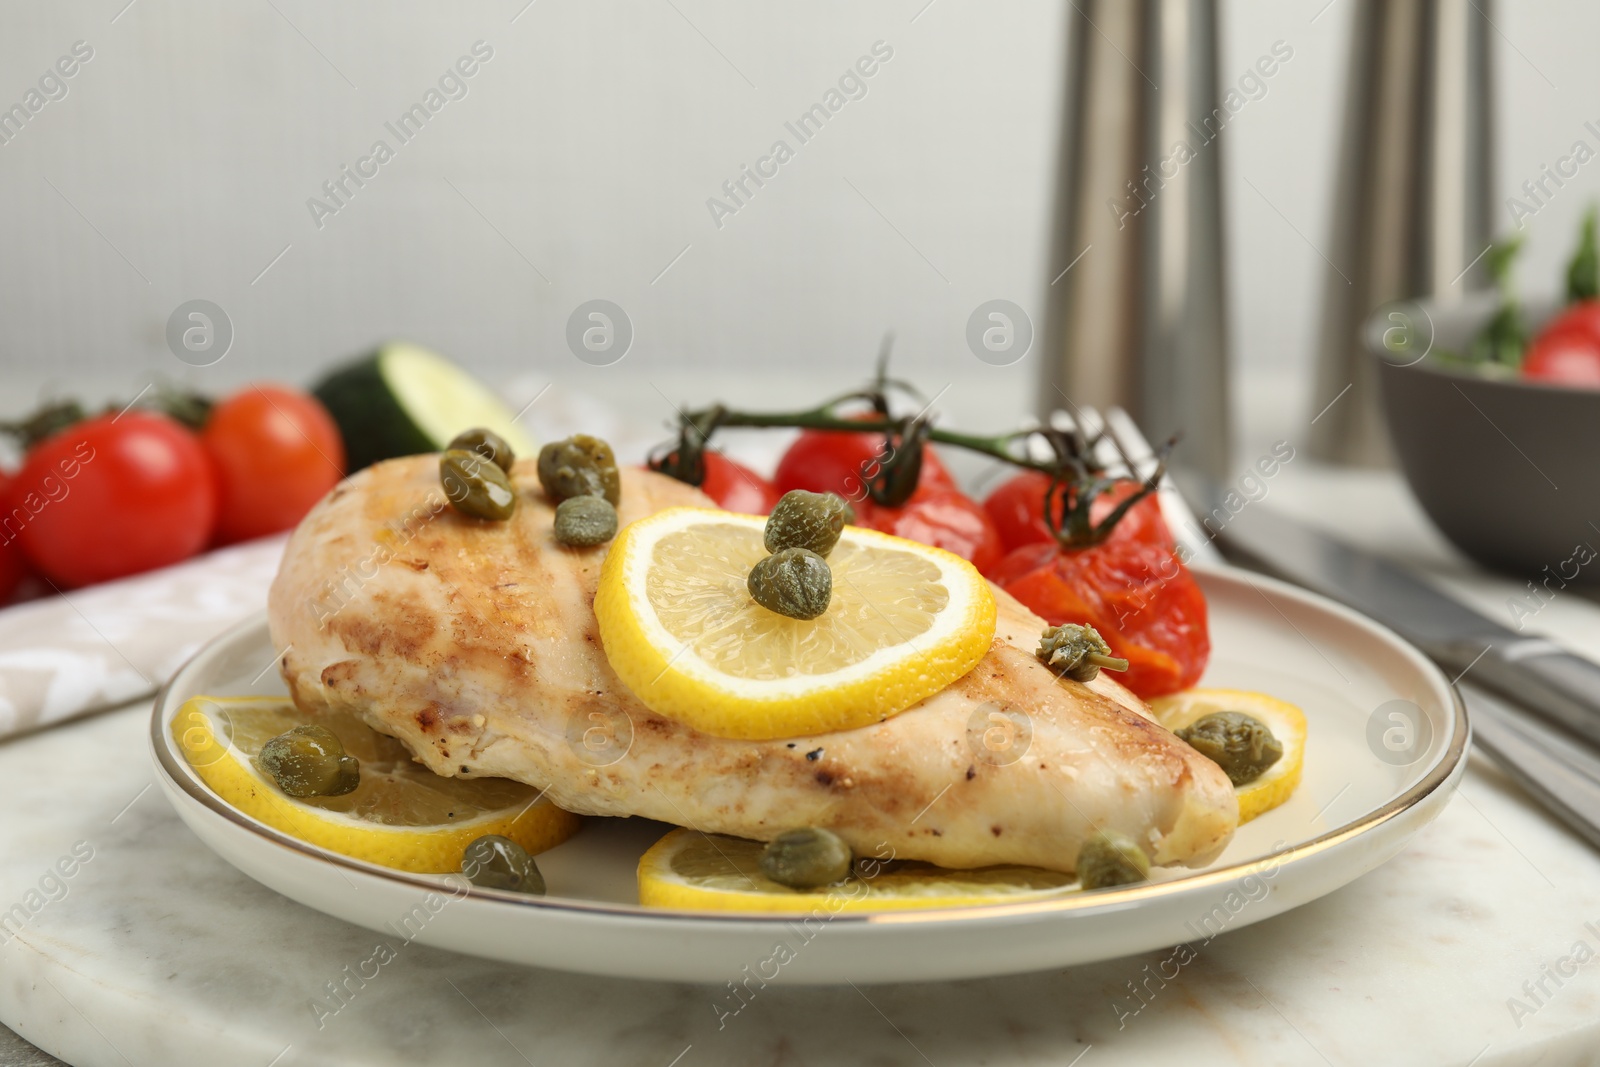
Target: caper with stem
[
  {"x": 806, "y": 520},
  {"x": 497, "y": 862},
  {"x": 475, "y": 486},
  {"x": 310, "y": 761},
  {"x": 579, "y": 466},
  {"x": 1238, "y": 743},
  {"x": 582, "y": 521},
  {"x": 1110, "y": 858},
  {"x": 795, "y": 583},
  {"x": 1077, "y": 652},
  {"x": 806, "y": 858},
  {"x": 486, "y": 443}
]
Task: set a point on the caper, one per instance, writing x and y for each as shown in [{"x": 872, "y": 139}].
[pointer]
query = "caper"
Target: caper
[
  {"x": 806, "y": 858},
  {"x": 309, "y": 761},
  {"x": 795, "y": 582},
  {"x": 488, "y": 444},
  {"x": 579, "y": 466},
  {"x": 1109, "y": 858},
  {"x": 1242, "y": 746},
  {"x": 1077, "y": 652},
  {"x": 475, "y": 486},
  {"x": 805, "y": 520},
  {"x": 496, "y": 862},
  {"x": 585, "y": 520}
]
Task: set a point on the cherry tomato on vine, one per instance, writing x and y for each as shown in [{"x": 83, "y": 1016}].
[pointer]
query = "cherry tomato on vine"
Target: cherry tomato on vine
[
  {"x": 276, "y": 452},
  {"x": 1567, "y": 352},
  {"x": 1138, "y": 595},
  {"x": 940, "y": 516},
  {"x": 1016, "y": 507},
  {"x": 12, "y": 565},
  {"x": 736, "y": 487},
  {"x": 830, "y": 461},
  {"x": 112, "y": 496}
]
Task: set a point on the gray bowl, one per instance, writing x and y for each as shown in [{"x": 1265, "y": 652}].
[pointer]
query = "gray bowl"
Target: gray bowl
[{"x": 1508, "y": 470}]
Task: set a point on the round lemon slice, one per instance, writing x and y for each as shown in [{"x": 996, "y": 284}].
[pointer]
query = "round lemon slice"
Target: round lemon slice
[
  {"x": 692, "y": 871},
  {"x": 681, "y": 630},
  {"x": 402, "y": 815},
  {"x": 1287, "y": 723}
]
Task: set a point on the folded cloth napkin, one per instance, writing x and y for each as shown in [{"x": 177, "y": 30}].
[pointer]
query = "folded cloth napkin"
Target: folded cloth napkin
[{"x": 83, "y": 651}]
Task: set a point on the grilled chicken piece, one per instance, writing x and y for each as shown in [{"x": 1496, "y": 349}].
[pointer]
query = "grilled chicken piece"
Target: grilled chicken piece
[{"x": 475, "y": 644}]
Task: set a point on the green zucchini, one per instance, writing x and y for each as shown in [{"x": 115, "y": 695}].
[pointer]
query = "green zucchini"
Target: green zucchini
[{"x": 403, "y": 399}]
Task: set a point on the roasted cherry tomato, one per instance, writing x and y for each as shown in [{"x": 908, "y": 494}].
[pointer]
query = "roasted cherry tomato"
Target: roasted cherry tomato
[
  {"x": 113, "y": 496},
  {"x": 1565, "y": 353},
  {"x": 1138, "y": 595},
  {"x": 830, "y": 461},
  {"x": 276, "y": 452},
  {"x": 938, "y": 516},
  {"x": 1017, "y": 509},
  {"x": 12, "y": 565},
  {"x": 736, "y": 487}
]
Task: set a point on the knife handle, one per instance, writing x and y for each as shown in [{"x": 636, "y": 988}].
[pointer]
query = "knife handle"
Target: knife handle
[{"x": 1546, "y": 679}]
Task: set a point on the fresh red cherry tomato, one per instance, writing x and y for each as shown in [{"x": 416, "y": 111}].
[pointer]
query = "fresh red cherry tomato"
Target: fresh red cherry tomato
[
  {"x": 276, "y": 452},
  {"x": 1566, "y": 353},
  {"x": 942, "y": 517},
  {"x": 830, "y": 461},
  {"x": 1017, "y": 509},
  {"x": 736, "y": 487},
  {"x": 1138, "y": 595},
  {"x": 113, "y": 496},
  {"x": 12, "y": 565}
]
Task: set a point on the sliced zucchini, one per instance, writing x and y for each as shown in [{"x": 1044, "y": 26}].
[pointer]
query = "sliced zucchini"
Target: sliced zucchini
[{"x": 403, "y": 399}]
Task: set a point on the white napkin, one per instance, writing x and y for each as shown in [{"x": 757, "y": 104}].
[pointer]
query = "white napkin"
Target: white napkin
[{"x": 74, "y": 653}]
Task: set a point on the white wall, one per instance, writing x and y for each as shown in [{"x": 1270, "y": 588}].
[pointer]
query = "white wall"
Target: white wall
[{"x": 590, "y": 142}]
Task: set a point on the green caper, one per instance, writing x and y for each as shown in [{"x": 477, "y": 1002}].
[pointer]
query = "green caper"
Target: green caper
[
  {"x": 585, "y": 520},
  {"x": 475, "y": 486},
  {"x": 496, "y": 862},
  {"x": 310, "y": 761},
  {"x": 579, "y": 466},
  {"x": 1077, "y": 652},
  {"x": 795, "y": 583},
  {"x": 805, "y": 520},
  {"x": 806, "y": 858},
  {"x": 1109, "y": 858},
  {"x": 1242, "y": 746},
  {"x": 488, "y": 444}
]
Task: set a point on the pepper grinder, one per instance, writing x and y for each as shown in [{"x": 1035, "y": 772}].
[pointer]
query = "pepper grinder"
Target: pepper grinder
[{"x": 1137, "y": 317}]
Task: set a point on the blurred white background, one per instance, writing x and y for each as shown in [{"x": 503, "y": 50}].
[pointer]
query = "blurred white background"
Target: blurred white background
[{"x": 179, "y": 164}]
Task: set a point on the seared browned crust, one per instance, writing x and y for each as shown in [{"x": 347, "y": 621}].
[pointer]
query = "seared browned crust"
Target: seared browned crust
[{"x": 476, "y": 645}]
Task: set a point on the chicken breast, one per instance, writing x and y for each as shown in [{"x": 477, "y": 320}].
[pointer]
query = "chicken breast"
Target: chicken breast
[{"x": 476, "y": 645}]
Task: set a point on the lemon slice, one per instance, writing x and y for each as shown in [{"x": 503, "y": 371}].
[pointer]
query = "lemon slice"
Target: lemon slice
[
  {"x": 401, "y": 815},
  {"x": 711, "y": 872},
  {"x": 1287, "y": 723},
  {"x": 681, "y": 630}
]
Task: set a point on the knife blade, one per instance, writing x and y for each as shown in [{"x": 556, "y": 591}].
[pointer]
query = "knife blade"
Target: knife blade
[
  {"x": 1534, "y": 672},
  {"x": 1564, "y": 778}
]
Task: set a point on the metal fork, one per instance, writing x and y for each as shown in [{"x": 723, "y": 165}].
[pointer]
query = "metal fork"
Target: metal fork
[{"x": 1559, "y": 771}]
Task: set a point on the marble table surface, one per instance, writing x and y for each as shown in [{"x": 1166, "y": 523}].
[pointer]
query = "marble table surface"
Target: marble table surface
[{"x": 1479, "y": 944}]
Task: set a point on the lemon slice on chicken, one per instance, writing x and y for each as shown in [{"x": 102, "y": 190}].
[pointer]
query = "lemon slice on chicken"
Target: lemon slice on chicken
[
  {"x": 692, "y": 871},
  {"x": 681, "y": 630},
  {"x": 402, "y": 815},
  {"x": 1287, "y": 723}
]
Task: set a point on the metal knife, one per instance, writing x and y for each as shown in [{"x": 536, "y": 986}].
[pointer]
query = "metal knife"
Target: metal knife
[
  {"x": 1561, "y": 776},
  {"x": 1533, "y": 672}
]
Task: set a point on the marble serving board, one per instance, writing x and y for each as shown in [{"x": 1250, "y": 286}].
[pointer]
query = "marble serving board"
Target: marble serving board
[{"x": 136, "y": 946}]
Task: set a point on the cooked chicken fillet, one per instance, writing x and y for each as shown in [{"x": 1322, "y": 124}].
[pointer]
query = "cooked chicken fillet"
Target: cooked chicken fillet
[{"x": 476, "y": 645}]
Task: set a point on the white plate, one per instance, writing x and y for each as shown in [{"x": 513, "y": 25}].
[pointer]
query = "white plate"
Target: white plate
[{"x": 1364, "y": 794}]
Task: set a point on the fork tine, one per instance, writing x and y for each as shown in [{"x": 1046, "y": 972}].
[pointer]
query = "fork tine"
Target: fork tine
[{"x": 1180, "y": 517}]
